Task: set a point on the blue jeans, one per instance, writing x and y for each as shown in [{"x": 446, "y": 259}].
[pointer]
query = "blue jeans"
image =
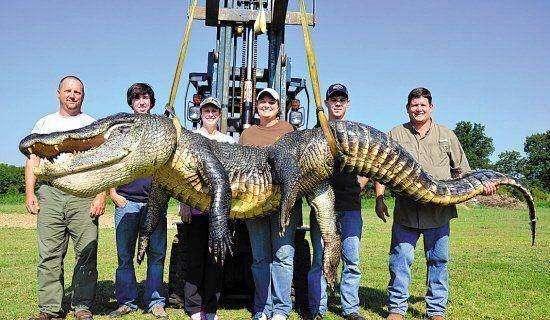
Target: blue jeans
[
  {"x": 350, "y": 225},
  {"x": 436, "y": 249},
  {"x": 127, "y": 222},
  {"x": 272, "y": 265}
]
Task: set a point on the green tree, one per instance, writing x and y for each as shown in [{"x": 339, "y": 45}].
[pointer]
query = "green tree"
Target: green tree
[
  {"x": 12, "y": 179},
  {"x": 476, "y": 144},
  {"x": 537, "y": 166},
  {"x": 510, "y": 163}
]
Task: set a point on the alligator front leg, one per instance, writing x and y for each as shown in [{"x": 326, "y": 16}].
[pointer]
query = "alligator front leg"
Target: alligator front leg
[
  {"x": 157, "y": 205},
  {"x": 219, "y": 188},
  {"x": 286, "y": 172},
  {"x": 321, "y": 199}
]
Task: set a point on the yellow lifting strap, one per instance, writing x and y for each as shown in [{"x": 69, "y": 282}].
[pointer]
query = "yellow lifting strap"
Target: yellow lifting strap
[
  {"x": 314, "y": 76},
  {"x": 181, "y": 59}
]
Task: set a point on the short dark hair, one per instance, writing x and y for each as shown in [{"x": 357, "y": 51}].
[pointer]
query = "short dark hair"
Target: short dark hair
[
  {"x": 70, "y": 77},
  {"x": 419, "y": 92},
  {"x": 137, "y": 90}
]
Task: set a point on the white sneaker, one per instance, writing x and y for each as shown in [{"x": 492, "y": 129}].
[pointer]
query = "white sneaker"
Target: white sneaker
[
  {"x": 259, "y": 316},
  {"x": 211, "y": 316},
  {"x": 197, "y": 316},
  {"x": 278, "y": 316}
]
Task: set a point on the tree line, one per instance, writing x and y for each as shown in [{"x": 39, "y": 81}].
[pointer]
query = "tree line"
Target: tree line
[{"x": 532, "y": 169}]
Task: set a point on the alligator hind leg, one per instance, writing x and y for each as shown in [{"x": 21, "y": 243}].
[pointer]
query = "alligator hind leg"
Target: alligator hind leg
[
  {"x": 287, "y": 173},
  {"x": 321, "y": 199},
  {"x": 156, "y": 207}
]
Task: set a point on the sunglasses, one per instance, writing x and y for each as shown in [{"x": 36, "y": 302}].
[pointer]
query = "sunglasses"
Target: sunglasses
[{"x": 341, "y": 100}]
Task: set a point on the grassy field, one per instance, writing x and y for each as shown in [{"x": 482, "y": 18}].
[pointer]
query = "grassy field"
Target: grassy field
[{"x": 494, "y": 272}]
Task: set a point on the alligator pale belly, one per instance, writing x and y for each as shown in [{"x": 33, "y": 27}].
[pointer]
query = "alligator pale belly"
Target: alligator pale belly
[
  {"x": 247, "y": 201},
  {"x": 246, "y": 207}
]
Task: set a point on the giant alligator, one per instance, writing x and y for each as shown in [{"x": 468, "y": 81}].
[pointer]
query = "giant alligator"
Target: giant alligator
[{"x": 236, "y": 181}]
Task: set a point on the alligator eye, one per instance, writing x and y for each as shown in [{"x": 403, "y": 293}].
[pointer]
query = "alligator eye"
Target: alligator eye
[{"x": 124, "y": 129}]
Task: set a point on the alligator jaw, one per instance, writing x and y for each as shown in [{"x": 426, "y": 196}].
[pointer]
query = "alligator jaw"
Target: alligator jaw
[
  {"x": 88, "y": 148},
  {"x": 67, "y": 164},
  {"x": 107, "y": 153},
  {"x": 67, "y": 145}
]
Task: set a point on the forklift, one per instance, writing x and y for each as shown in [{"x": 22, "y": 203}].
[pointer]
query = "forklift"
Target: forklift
[{"x": 234, "y": 76}]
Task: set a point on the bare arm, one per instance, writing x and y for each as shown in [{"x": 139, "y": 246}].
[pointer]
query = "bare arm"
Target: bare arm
[
  {"x": 97, "y": 207},
  {"x": 380, "y": 208},
  {"x": 379, "y": 189},
  {"x": 31, "y": 201},
  {"x": 185, "y": 213},
  {"x": 362, "y": 182},
  {"x": 117, "y": 199}
]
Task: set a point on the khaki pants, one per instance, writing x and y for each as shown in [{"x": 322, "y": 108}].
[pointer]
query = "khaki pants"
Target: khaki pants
[{"x": 62, "y": 216}]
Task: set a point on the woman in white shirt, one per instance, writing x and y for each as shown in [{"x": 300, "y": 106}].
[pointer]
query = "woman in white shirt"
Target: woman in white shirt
[{"x": 203, "y": 276}]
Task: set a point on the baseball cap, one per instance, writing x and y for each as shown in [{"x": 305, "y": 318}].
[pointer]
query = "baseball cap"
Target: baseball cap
[
  {"x": 271, "y": 92},
  {"x": 211, "y": 101},
  {"x": 336, "y": 88}
]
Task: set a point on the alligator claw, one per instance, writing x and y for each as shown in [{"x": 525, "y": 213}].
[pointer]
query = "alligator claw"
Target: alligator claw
[
  {"x": 220, "y": 246},
  {"x": 142, "y": 248}
]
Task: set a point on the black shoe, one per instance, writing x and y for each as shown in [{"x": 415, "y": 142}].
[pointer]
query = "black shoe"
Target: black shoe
[
  {"x": 309, "y": 316},
  {"x": 45, "y": 316},
  {"x": 354, "y": 316}
]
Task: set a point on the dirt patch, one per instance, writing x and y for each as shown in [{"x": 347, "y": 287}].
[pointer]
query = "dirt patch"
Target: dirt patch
[
  {"x": 500, "y": 201},
  {"x": 28, "y": 221}
]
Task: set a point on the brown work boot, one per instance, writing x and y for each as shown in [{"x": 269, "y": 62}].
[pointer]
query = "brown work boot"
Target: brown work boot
[
  {"x": 395, "y": 316},
  {"x": 438, "y": 317},
  {"x": 45, "y": 316},
  {"x": 83, "y": 314},
  {"x": 120, "y": 311},
  {"x": 159, "y": 312}
]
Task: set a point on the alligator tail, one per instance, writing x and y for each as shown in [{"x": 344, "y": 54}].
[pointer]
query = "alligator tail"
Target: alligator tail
[{"x": 371, "y": 153}]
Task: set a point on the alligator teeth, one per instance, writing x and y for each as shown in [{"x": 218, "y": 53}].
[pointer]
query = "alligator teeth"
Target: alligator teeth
[
  {"x": 41, "y": 167},
  {"x": 62, "y": 157}
]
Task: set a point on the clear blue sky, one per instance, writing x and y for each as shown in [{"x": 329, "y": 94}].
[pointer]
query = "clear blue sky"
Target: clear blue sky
[{"x": 484, "y": 61}]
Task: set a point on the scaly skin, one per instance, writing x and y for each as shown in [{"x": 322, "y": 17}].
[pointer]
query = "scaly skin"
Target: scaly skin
[
  {"x": 241, "y": 182},
  {"x": 371, "y": 153}
]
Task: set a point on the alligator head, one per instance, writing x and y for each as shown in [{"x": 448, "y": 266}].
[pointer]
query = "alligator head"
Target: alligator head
[{"x": 107, "y": 153}]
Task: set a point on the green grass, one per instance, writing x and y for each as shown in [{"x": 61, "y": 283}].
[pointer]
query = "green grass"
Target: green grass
[
  {"x": 14, "y": 204},
  {"x": 494, "y": 272}
]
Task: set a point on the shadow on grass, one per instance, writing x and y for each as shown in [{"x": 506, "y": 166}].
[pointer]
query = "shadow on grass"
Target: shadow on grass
[
  {"x": 105, "y": 292},
  {"x": 105, "y": 300},
  {"x": 373, "y": 300}
]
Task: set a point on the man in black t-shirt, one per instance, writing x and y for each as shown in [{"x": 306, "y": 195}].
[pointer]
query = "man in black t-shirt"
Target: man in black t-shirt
[{"x": 347, "y": 189}]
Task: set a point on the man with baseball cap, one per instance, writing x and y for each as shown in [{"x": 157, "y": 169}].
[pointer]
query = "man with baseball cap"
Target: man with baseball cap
[
  {"x": 347, "y": 205},
  {"x": 336, "y": 89}
]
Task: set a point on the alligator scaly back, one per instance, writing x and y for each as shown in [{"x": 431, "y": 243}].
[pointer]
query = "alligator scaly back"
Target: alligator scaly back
[{"x": 371, "y": 153}]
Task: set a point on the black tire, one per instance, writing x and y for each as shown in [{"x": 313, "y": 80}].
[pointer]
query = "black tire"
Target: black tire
[
  {"x": 238, "y": 282},
  {"x": 302, "y": 264},
  {"x": 178, "y": 266}
]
